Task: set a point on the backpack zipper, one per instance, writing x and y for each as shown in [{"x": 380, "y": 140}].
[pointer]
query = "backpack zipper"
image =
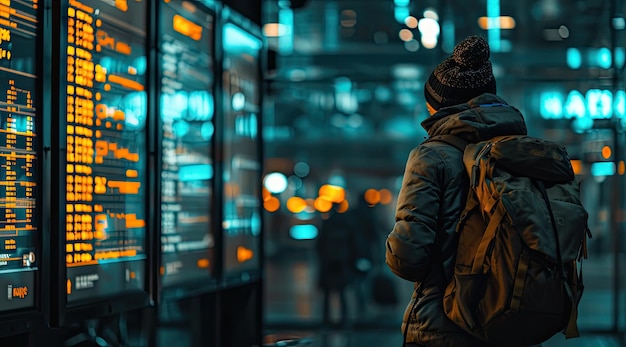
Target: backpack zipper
[{"x": 475, "y": 173}]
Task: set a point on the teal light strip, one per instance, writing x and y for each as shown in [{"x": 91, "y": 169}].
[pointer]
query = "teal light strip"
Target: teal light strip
[{"x": 493, "y": 20}]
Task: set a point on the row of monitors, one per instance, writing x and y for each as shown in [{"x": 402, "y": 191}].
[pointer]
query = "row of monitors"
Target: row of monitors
[{"x": 130, "y": 153}]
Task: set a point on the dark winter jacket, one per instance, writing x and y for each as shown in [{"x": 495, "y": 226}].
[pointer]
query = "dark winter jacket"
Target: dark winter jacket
[{"x": 422, "y": 245}]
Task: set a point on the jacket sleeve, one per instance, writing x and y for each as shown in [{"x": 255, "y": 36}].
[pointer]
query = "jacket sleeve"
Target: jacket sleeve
[{"x": 410, "y": 243}]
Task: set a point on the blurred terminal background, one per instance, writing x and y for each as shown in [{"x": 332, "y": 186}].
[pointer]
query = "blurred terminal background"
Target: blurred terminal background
[
  {"x": 342, "y": 101},
  {"x": 342, "y": 110}
]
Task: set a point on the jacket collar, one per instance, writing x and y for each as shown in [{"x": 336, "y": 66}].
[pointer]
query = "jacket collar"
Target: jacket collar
[{"x": 483, "y": 117}]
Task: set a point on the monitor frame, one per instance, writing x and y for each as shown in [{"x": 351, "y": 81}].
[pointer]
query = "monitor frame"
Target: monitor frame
[
  {"x": 23, "y": 320},
  {"x": 230, "y": 16},
  {"x": 210, "y": 283},
  {"x": 61, "y": 313}
]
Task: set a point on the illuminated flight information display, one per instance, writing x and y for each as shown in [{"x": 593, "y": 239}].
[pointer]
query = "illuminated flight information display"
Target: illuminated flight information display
[
  {"x": 19, "y": 235},
  {"x": 106, "y": 152},
  {"x": 186, "y": 111},
  {"x": 242, "y": 163}
]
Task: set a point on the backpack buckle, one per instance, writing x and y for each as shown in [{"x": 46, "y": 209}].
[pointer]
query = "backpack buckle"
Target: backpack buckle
[{"x": 475, "y": 176}]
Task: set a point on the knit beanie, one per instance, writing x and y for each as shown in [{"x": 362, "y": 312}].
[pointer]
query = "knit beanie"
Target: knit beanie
[{"x": 462, "y": 76}]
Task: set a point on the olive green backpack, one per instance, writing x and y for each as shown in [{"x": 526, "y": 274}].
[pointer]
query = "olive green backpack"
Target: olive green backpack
[{"x": 521, "y": 236}]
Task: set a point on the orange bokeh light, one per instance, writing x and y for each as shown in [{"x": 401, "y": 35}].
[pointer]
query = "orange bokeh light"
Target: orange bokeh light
[
  {"x": 244, "y": 254},
  {"x": 272, "y": 204},
  {"x": 606, "y": 152},
  {"x": 343, "y": 206},
  {"x": 322, "y": 204},
  {"x": 385, "y": 196},
  {"x": 266, "y": 194},
  {"x": 372, "y": 196},
  {"x": 332, "y": 193},
  {"x": 577, "y": 166},
  {"x": 296, "y": 204}
]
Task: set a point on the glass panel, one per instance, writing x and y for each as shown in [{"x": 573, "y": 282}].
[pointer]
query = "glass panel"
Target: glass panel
[
  {"x": 187, "y": 129},
  {"x": 241, "y": 177},
  {"x": 106, "y": 153},
  {"x": 19, "y": 228}
]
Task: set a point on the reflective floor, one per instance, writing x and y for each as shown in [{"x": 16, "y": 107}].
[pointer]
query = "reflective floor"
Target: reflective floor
[
  {"x": 294, "y": 309},
  {"x": 389, "y": 339}
]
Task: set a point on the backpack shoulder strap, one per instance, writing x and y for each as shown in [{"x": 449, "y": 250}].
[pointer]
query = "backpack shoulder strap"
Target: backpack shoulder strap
[
  {"x": 453, "y": 140},
  {"x": 460, "y": 144}
]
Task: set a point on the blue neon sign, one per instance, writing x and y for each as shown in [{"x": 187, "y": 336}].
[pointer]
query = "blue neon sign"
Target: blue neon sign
[{"x": 594, "y": 104}]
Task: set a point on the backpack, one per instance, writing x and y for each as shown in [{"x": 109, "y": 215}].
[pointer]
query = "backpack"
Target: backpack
[{"x": 520, "y": 237}]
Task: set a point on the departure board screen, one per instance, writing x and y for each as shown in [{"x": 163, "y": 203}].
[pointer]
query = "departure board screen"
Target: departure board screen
[
  {"x": 19, "y": 234},
  {"x": 106, "y": 152},
  {"x": 186, "y": 112},
  {"x": 242, "y": 163}
]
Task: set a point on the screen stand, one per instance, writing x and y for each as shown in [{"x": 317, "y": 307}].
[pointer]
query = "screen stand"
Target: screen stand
[{"x": 97, "y": 333}]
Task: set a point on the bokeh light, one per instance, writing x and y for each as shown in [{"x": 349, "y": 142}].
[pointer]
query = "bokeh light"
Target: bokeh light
[
  {"x": 275, "y": 182},
  {"x": 372, "y": 196},
  {"x": 272, "y": 204},
  {"x": 322, "y": 204},
  {"x": 332, "y": 193},
  {"x": 296, "y": 204}
]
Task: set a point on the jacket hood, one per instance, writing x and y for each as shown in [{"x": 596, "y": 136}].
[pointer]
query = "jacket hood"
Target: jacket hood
[{"x": 481, "y": 118}]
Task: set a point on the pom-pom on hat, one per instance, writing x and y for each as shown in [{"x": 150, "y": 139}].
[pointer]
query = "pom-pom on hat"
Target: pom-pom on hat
[{"x": 464, "y": 75}]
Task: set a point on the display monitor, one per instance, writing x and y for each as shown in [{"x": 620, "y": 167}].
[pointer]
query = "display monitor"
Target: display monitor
[
  {"x": 186, "y": 111},
  {"x": 19, "y": 155},
  {"x": 242, "y": 83},
  {"x": 104, "y": 150}
]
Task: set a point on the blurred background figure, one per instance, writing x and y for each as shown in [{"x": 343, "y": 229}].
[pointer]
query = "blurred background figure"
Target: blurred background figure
[
  {"x": 336, "y": 254},
  {"x": 370, "y": 282},
  {"x": 347, "y": 249}
]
